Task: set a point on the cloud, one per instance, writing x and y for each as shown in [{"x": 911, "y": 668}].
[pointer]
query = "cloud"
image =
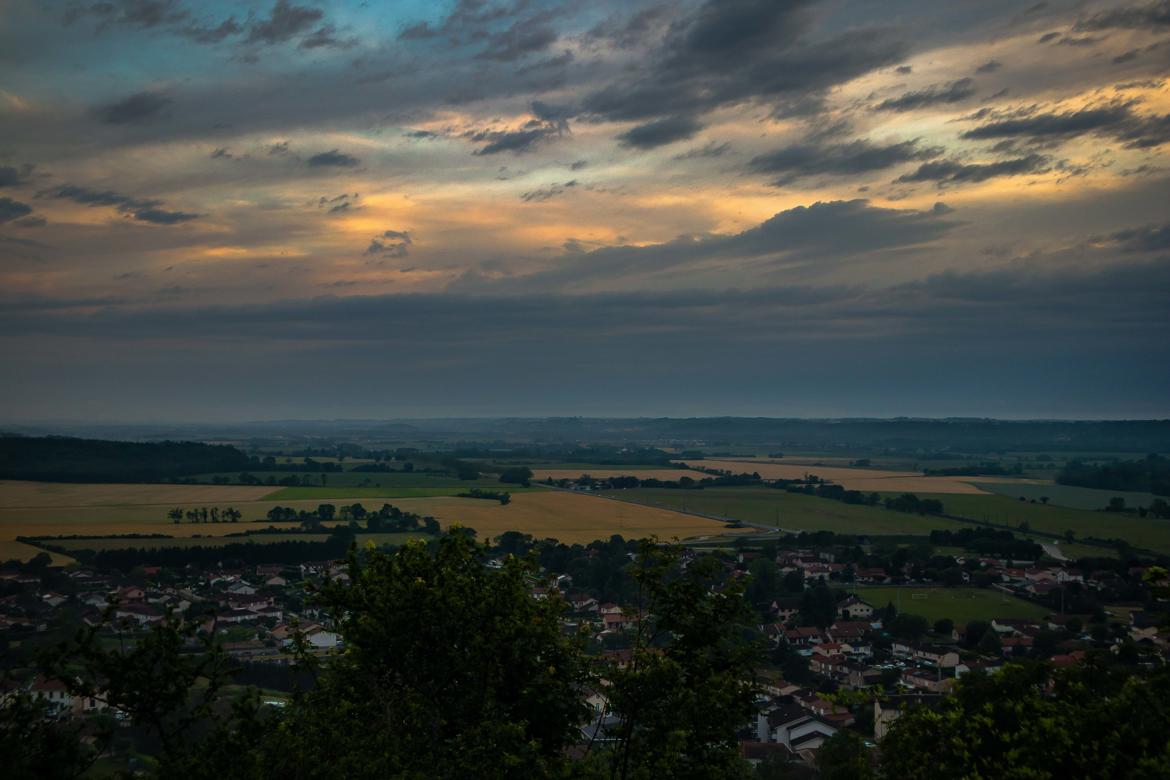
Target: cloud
[
  {"x": 824, "y": 231},
  {"x": 284, "y": 22},
  {"x": 15, "y": 175},
  {"x": 142, "y": 209},
  {"x": 991, "y": 66},
  {"x": 333, "y": 159},
  {"x": 1117, "y": 120},
  {"x": 139, "y": 108},
  {"x": 13, "y": 209},
  {"x": 935, "y": 94},
  {"x": 524, "y": 37},
  {"x": 1145, "y": 16},
  {"x": 1149, "y": 238},
  {"x": 844, "y": 159},
  {"x": 741, "y": 51},
  {"x": 954, "y": 172},
  {"x": 326, "y": 37},
  {"x": 547, "y": 124},
  {"x": 660, "y": 132},
  {"x": 338, "y": 204},
  {"x": 391, "y": 243},
  {"x": 709, "y": 150},
  {"x": 548, "y": 192}
]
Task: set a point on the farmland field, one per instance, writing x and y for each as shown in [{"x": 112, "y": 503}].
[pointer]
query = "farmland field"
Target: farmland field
[
  {"x": 960, "y": 604},
  {"x": 13, "y": 550},
  {"x": 568, "y": 517},
  {"x": 1140, "y": 532},
  {"x": 853, "y": 478},
  {"x": 1067, "y": 495},
  {"x": 218, "y": 541},
  {"x": 357, "y": 493},
  {"x": 58, "y": 494},
  {"x": 602, "y": 472},
  {"x": 773, "y": 507}
]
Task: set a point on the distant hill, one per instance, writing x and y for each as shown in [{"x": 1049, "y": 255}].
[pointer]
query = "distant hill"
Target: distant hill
[{"x": 62, "y": 459}]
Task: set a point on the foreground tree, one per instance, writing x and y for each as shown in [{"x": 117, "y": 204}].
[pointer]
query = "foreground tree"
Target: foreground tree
[{"x": 1028, "y": 722}]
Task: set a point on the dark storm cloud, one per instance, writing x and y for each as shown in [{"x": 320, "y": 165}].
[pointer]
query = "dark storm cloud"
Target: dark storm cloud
[
  {"x": 705, "y": 152},
  {"x": 162, "y": 217},
  {"x": 284, "y": 22},
  {"x": 935, "y": 94},
  {"x": 1117, "y": 120},
  {"x": 535, "y": 132},
  {"x": 142, "y": 209},
  {"x": 13, "y": 209},
  {"x": 624, "y": 32},
  {"x": 844, "y": 159},
  {"x": 136, "y": 109},
  {"x": 1149, "y": 238},
  {"x": 15, "y": 175},
  {"x": 391, "y": 243},
  {"x": 168, "y": 15},
  {"x": 333, "y": 158},
  {"x": 739, "y": 51},
  {"x": 548, "y": 192},
  {"x": 526, "y": 36},
  {"x": 660, "y": 132},
  {"x": 326, "y": 37},
  {"x": 821, "y": 232},
  {"x": 954, "y": 172},
  {"x": 1145, "y": 16}
]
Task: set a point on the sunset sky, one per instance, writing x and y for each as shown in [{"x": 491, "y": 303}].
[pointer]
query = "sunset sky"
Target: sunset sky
[{"x": 317, "y": 208}]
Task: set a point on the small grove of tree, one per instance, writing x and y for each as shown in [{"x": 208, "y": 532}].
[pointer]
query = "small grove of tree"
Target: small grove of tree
[
  {"x": 449, "y": 669},
  {"x": 491, "y": 495},
  {"x": 205, "y": 515},
  {"x": 518, "y": 475}
]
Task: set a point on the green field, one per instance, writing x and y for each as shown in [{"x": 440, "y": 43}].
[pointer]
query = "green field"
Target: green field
[
  {"x": 959, "y": 604},
  {"x": 1140, "y": 532},
  {"x": 1068, "y": 495},
  {"x": 773, "y": 507},
  {"x": 324, "y": 493},
  {"x": 361, "y": 479},
  {"x": 220, "y": 541}
]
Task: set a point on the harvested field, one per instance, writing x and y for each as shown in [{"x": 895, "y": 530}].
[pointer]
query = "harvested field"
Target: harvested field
[
  {"x": 603, "y": 472},
  {"x": 12, "y": 550},
  {"x": 568, "y": 517},
  {"x": 216, "y": 541},
  {"x": 58, "y": 494},
  {"x": 855, "y": 479}
]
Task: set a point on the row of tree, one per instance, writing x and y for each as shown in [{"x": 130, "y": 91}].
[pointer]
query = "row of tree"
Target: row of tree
[{"x": 215, "y": 514}]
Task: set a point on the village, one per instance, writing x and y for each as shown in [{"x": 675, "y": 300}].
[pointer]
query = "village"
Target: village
[{"x": 833, "y": 658}]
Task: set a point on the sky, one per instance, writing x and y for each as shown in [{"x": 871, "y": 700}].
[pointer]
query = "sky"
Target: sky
[{"x": 224, "y": 211}]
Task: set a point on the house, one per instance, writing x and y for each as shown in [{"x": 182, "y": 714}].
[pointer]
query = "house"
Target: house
[
  {"x": 923, "y": 680},
  {"x": 241, "y": 588},
  {"x": 938, "y": 655},
  {"x": 275, "y": 581},
  {"x": 848, "y": 630},
  {"x": 853, "y": 608},
  {"x": 52, "y": 692},
  {"x": 791, "y": 725},
  {"x": 320, "y": 639},
  {"x": 582, "y": 602},
  {"x": 142, "y": 614},
  {"x": 130, "y": 594},
  {"x": 804, "y": 636}
]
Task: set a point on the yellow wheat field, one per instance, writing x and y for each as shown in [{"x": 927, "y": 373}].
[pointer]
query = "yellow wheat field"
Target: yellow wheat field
[
  {"x": 604, "y": 472},
  {"x": 568, "y": 517},
  {"x": 854, "y": 479}
]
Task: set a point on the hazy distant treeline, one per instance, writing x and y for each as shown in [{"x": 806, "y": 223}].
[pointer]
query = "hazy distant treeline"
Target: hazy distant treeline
[{"x": 61, "y": 459}]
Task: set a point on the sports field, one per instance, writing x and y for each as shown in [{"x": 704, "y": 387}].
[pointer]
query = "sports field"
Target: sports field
[
  {"x": 961, "y": 605},
  {"x": 772, "y": 507}
]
